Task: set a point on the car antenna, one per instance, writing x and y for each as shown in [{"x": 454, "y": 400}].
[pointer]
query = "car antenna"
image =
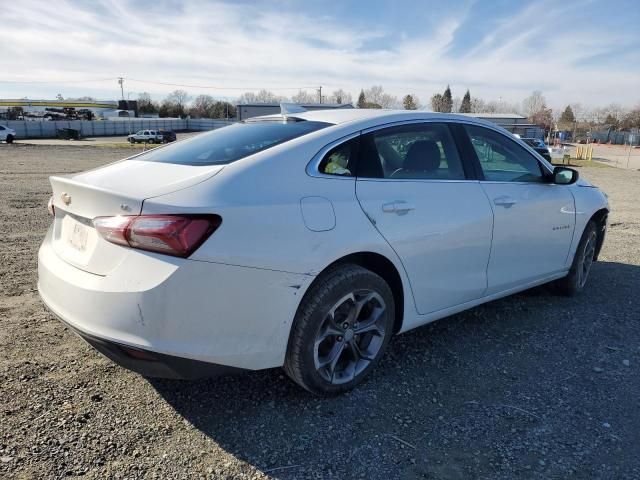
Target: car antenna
[{"x": 288, "y": 108}]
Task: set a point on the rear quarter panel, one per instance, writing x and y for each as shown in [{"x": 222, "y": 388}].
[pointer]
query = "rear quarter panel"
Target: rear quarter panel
[{"x": 259, "y": 200}]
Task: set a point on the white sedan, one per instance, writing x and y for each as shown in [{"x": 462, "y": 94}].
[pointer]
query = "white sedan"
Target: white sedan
[
  {"x": 7, "y": 134},
  {"x": 306, "y": 241}
]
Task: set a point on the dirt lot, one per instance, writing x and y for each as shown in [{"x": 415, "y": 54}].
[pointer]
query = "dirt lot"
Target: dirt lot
[{"x": 532, "y": 386}]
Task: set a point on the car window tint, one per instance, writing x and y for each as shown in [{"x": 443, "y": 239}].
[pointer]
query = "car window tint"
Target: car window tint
[
  {"x": 416, "y": 151},
  {"x": 341, "y": 159},
  {"x": 228, "y": 144},
  {"x": 502, "y": 159}
]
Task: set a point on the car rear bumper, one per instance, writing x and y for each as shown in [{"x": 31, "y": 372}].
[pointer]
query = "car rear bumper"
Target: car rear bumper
[
  {"x": 153, "y": 364},
  {"x": 177, "y": 310}
]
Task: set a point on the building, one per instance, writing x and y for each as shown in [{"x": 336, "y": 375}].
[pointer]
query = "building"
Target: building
[
  {"x": 512, "y": 122},
  {"x": 28, "y": 109},
  {"x": 249, "y": 110}
]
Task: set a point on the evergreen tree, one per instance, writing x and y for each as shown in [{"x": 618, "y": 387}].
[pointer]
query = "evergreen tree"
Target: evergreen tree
[
  {"x": 465, "y": 106},
  {"x": 362, "y": 101},
  {"x": 447, "y": 100},
  {"x": 409, "y": 102},
  {"x": 567, "y": 116}
]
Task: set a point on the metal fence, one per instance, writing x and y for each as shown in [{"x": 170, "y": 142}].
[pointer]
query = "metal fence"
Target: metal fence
[
  {"x": 98, "y": 128},
  {"x": 617, "y": 138}
]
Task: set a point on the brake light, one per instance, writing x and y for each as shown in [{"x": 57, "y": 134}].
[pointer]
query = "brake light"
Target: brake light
[{"x": 177, "y": 235}]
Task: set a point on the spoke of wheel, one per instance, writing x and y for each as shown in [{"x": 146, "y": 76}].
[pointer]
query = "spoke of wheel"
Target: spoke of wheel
[
  {"x": 332, "y": 358},
  {"x": 359, "y": 305},
  {"x": 372, "y": 324},
  {"x": 334, "y": 362},
  {"x": 357, "y": 351},
  {"x": 370, "y": 328},
  {"x": 329, "y": 331}
]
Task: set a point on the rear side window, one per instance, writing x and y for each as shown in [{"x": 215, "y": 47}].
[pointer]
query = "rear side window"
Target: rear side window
[
  {"x": 341, "y": 160},
  {"x": 228, "y": 144},
  {"x": 415, "y": 151}
]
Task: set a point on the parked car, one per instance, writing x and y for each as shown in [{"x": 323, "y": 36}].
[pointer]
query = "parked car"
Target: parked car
[
  {"x": 167, "y": 136},
  {"x": 69, "y": 134},
  {"x": 7, "y": 134},
  {"x": 539, "y": 146},
  {"x": 146, "y": 136},
  {"x": 307, "y": 241}
]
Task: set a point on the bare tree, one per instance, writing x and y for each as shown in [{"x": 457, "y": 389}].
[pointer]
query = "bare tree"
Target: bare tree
[
  {"x": 146, "y": 105},
  {"x": 340, "y": 96},
  {"x": 534, "y": 103},
  {"x": 478, "y": 105},
  {"x": 455, "y": 104},
  {"x": 304, "y": 96},
  {"x": 263, "y": 96},
  {"x": 202, "y": 106},
  {"x": 175, "y": 105},
  {"x": 376, "y": 95}
]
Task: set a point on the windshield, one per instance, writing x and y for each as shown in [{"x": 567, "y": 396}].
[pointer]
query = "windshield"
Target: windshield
[{"x": 228, "y": 144}]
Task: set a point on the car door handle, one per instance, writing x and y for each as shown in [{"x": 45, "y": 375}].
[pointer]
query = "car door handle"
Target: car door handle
[
  {"x": 398, "y": 207},
  {"x": 505, "y": 201}
]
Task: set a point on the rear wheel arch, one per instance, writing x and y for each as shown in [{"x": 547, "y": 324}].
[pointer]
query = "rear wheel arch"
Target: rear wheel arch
[{"x": 381, "y": 266}]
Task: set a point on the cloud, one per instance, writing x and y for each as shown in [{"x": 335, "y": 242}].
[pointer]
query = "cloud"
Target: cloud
[{"x": 274, "y": 45}]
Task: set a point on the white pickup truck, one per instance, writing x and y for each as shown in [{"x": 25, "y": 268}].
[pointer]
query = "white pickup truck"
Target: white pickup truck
[
  {"x": 146, "y": 136},
  {"x": 7, "y": 134}
]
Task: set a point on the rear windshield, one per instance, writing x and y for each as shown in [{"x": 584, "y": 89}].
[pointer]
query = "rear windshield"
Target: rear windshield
[{"x": 228, "y": 144}]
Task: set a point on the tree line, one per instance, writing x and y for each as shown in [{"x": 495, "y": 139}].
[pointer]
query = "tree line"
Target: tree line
[{"x": 574, "y": 116}]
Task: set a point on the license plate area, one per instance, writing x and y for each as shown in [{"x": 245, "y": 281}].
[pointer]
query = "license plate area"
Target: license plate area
[
  {"x": 75, "y": 239},
  {"x": 78, "y": 236}
]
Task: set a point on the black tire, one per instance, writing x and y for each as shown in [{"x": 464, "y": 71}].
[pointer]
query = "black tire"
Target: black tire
[
  {"x": 9, "y": 139},
  {"x": 361, "y": 345},
  {"x": 578, "y": 275}
]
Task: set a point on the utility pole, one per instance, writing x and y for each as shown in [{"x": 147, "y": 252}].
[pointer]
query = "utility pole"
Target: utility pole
[
  {"x": 121, "y": 83},
  {"x": 320, "y": 93}
]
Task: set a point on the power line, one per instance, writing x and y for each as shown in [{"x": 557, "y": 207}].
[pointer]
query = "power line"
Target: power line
[
  {"x": 57, "y": 82},
  {"x": 153, "y": 82},
  {"x": 216, "y": 87}
]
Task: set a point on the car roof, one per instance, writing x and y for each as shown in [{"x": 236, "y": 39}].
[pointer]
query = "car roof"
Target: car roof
[{"x": 378, "y": 116}]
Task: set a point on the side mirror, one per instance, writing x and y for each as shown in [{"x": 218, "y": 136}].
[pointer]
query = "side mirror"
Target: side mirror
[{"x": 564, "y": 176}]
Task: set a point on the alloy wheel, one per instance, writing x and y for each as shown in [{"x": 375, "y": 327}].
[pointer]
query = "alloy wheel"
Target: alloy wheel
[
  {"x": 350, "y": 336},
  {"x": 587, "y": 259}
]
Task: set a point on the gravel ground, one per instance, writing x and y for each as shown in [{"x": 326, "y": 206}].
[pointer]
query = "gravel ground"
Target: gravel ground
[{"x": 531, "y": 386}]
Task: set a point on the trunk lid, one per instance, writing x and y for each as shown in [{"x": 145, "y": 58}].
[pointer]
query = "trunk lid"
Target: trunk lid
[{"x": 116, "y": 189}]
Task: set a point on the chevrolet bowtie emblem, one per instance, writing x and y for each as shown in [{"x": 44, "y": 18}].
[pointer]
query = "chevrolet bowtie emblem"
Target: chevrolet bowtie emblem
[{"x": 66, "y": 198}]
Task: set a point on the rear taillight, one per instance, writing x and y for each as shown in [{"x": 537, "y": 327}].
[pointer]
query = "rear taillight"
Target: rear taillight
[{"x": 177, "y": 235}]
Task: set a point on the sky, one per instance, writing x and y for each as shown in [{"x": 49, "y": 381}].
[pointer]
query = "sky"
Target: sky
[{"x": 585, "y": 51}]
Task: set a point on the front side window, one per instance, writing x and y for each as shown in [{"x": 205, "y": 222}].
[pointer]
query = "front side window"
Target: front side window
[
  {"x": 228, "y": 144},
  {"x": 415, "y": 151},
  {"x": 502, "y": 159}
]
